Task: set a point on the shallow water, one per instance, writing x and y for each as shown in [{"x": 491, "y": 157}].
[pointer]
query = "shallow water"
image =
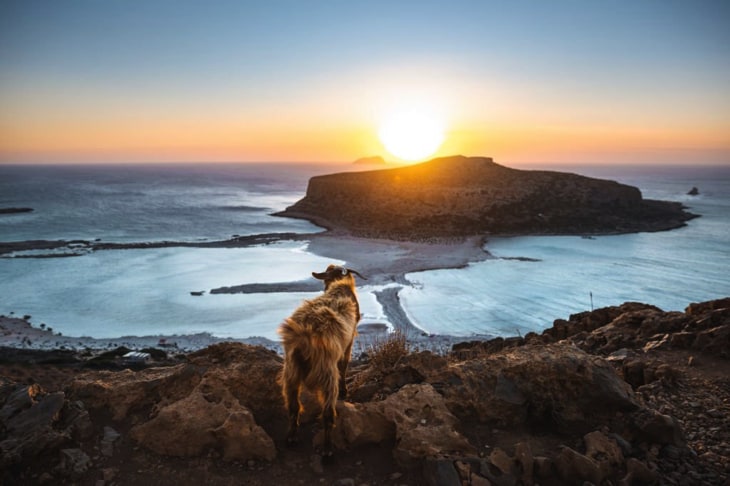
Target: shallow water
[{"x": 147, "y": 292}]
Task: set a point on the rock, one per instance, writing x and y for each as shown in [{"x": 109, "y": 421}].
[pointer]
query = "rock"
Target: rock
[
  {"x": 543, "y": 467},
  {"x": 248, "y": 372},
  {"x": 656, "y": 428},
  {"x": 41, "y": 414},
  {"x": 714, "y": 341},
  {"x": 359, "y": 424},
  {"x": 190, "y": 426},
  {"x": 123, "y": 391},
  {"x": 440, "y": 472},
  {"x": 638, "y": 471},
  {"x": 525, "y": 463},
  {"x": 183, "y": 428},
  {"x": 35, "y": 426},
  {"x": 107, "y": 441},
  {"x": 458, "y": 196},
  {"x": 502, "y": 461},
  {"x": 242, "y": 438},
  {"x": 407, "y": 409},
  {"x": 245, "y": 370},
  {"x": 556, "y": 385},
  {"x": 79, "y": 421},
  {"x": 22, "y": 398},
  {"x": 574, "y": 468},
  {"x": 601, "y": 448},
  {"x": 75, "y": 461},
  {"x": 693, "y": 192}
]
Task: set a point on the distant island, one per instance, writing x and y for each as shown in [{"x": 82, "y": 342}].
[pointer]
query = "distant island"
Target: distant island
[
  {"x": 374, "y": 160},
  {"x": 461, "y": 196},
  {"x": 15, "y": 210}
]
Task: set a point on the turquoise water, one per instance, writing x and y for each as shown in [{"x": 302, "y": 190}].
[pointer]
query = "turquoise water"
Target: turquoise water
[{"x": 146, "y": 292}]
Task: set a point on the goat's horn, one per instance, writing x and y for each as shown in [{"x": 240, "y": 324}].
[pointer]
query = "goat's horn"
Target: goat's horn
[{"x": 356, "y": 273}]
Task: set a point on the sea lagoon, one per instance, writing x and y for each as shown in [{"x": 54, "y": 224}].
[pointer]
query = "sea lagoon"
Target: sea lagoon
[{"x": 522, "y": 285}]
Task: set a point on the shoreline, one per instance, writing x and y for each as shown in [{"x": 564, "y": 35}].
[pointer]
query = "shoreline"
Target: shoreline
[{"x": 384, "y": 262}]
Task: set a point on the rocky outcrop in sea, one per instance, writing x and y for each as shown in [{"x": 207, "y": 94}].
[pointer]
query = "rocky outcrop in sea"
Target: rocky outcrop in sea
[{"x": 459, "y": 196}]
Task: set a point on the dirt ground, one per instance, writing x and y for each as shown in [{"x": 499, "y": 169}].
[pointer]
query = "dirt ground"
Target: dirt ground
[{"x": 699, "y": 399}]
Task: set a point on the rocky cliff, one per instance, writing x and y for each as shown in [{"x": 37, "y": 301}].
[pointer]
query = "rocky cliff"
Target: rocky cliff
[
  {"x": 459, "y": 196},
  {"x": 625, "y": 395}
]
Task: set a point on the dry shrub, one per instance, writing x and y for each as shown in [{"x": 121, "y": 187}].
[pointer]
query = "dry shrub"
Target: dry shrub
[{"x": 384, "y": 354}]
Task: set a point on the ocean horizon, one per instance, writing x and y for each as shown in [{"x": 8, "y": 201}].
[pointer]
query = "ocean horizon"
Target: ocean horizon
[{"x": 531, "y": 281}]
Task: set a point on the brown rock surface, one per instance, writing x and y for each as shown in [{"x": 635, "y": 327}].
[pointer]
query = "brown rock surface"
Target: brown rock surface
[
  {"x": 549, "y": 410},
  {"x": 459, "y": 196}
]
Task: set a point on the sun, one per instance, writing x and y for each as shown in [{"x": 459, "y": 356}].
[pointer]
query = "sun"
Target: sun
[{"x": 412, "y": 133}]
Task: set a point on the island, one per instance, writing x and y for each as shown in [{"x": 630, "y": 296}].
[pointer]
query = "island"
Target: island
[
  {"x": 374, "y": 160},
  {"x": 461, "y": 196},
  {"x": 15, "y": 210}
]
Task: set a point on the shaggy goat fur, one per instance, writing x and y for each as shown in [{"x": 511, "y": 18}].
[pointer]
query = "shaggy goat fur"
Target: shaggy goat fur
[{"x": 317, "y": 341}]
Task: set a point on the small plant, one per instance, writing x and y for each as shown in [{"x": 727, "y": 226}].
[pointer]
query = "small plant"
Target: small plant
[{"x": 386, "y": 353}]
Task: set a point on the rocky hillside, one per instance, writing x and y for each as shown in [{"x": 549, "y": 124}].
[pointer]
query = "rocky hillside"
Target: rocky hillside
[
  {"x": 457, "y": 196},
  {"x": 627, "y": 395}
]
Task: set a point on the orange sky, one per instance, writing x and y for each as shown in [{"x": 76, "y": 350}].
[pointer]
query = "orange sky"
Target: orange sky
[{"x": 571, "y": 84}]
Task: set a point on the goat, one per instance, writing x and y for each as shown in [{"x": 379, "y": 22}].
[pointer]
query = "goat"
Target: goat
[{"x": 317, "y": 341}]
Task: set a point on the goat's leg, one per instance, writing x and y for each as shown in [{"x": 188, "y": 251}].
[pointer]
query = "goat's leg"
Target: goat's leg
[
  {"x": 342, "y": 371},
  {"x": 328, "y": 421},
  {"x": 329, "y": 401},
  {"x": 291, "y": 398}
]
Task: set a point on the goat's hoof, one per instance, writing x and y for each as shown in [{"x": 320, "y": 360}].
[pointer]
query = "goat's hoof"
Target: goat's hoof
[
  {"x": 327, "y": 455},
  {"x": 292, "y": 441},
  {"x": 328, "y": 458}
]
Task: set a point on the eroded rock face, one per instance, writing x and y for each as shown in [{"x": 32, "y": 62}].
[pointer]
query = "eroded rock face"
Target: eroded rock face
[
  {"x": 416, "y": 417},
  {"x": 198, "y": 423},
  {"x": 424, "y": 425},
  {"x": 550, "y": 384},
  {"x": 454, "y": 196},
  {"x": 35, "y": 424},
  {"x": 212, "y": 402}
]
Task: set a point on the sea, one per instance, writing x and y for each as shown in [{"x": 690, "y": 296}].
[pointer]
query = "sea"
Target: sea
[{"x": 530, "y": 282}]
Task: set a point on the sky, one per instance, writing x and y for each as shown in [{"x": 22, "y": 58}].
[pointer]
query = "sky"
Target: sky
[{"x": 522, "y": 81}]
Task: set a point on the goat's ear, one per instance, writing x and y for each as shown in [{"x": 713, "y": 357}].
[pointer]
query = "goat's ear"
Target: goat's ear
[{"x": 320, "y": 276}]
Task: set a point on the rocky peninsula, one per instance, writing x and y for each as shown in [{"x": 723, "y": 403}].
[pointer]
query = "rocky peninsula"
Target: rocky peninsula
[
  {"x": 624, "y": 395},
  {"x": 463, "y": 196}
]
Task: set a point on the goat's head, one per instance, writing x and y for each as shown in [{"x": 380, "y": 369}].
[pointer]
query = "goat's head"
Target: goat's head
[{"x": 336, "y": 273}]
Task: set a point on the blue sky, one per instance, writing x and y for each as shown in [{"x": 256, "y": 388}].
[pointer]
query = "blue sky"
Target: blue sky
[{"x": 648, "y": 70}]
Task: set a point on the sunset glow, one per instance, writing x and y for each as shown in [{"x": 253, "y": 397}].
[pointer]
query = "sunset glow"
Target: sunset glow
[
  {"x": 534, "y": 82},
  {"x": 412, "y": 133}
]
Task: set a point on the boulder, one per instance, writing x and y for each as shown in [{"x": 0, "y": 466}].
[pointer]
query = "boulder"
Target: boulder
[
  {"x": 36, "y": 424},
  {"x": 127, "y": 391},
  {"x": 556, "y": 385},
  {"x": 424, "y": 425},
  {"x": 416, "y": 417},
  {"x": 195, "y": 424},
  {"x": 247, "y": 372},
  {"x": 576, "y": 468},
  {"x": 361, "y": 423},
  {"x": 603, "y": 449}
]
